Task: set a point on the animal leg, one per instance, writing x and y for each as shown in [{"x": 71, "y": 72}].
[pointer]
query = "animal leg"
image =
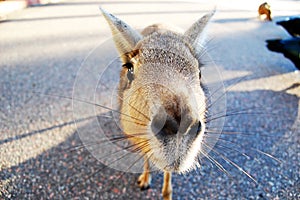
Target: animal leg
[
  {"x": 167, "y": 186},
  {"x": 144, "y": 179}
]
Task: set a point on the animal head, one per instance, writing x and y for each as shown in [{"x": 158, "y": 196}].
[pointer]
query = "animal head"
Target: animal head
[
  {"x": 161, "y": 99},
  {"x": 265, "y": 9}
]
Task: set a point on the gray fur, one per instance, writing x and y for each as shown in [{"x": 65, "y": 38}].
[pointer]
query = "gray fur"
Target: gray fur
[
  {"x": 124, "y": 36},
  {"x": 165, "y": 95},
  {"x": 196, "y": 33},
  {"x": 166, "y": 70}
]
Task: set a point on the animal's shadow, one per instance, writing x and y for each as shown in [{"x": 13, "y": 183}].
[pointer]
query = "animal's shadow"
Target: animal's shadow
[{"x": 63, "y": 173}]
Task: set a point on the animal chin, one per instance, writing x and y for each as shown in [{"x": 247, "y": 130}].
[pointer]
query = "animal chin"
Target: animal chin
[
  {"x": 180, "y": 164},
  {"x": 172, "y": 165},
  {"x": 175, "y": 166},
  {"x": 178, "y": 159}
]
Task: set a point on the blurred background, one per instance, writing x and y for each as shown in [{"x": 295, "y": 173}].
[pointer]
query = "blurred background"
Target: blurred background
[{"x": 45, "y": 43}]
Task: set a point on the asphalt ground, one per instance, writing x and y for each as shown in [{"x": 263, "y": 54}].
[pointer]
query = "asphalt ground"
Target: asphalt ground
[{"x": 42, "y": 149}]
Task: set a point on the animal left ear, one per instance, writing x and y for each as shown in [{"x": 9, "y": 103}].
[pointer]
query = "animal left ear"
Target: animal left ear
[
  {"x": 124, "y": 36},
  {"x": 196, "y": 33}
]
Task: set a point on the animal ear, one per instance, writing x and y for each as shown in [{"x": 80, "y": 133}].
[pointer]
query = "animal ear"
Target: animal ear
[
  {"x": 124, "y": 36},
  {"x": 196, "y": 34}
]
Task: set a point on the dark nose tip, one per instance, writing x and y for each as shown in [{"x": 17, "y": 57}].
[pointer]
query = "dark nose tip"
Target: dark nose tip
[{"x": 164, "y": 125}]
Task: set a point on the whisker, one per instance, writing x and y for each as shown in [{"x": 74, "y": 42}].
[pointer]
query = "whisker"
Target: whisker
[
  {"x": 269, "y": 155},
  {"x": 112, "y": 139},
  {"x": 243, "y": 133},
  {"x": 208, "y": 48},
  {"x": 134, "y": 108},
  {"x": 109, "y": 165},
  {"x": 232, "y": 163},
  {"x": 216, "y": 163},
  {"x": 122, "y": 174},
  {"x": 253, "y": 149},
  {"x": 234, "y": 114},
  {"x": 145, "y": 116},
  {"x": 239, "y": 110},
  {"x": 94, "y": 104},
  {"x": 224, "y": 93},
  {"x": 126, "y": 148},
  {"x": 137, "y": 123},
  {"x": 235, "y": 150}
]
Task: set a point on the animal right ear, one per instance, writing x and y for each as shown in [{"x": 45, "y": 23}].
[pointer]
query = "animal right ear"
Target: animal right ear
[
  {"x": 196, "y": 33},
  {"x": 124, "y": 36}
]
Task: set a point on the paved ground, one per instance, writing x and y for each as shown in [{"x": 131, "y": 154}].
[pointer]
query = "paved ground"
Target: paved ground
[{"x": 43, "y": 50}]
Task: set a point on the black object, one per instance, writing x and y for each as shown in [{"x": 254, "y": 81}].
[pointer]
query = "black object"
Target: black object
[
  {"x": 292, "y": 25},
  {"x": 290, "y": 48},
  {"x": 130, "y": 74}
]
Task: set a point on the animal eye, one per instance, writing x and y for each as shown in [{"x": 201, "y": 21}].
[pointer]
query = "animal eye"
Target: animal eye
[{"x": 130, "y": 71}]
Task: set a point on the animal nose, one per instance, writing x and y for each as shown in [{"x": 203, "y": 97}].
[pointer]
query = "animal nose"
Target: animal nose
[{"x": 164, "y": 125}]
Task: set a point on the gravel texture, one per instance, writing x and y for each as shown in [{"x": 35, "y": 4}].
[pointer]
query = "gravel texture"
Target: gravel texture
[{"x": 42, "y": 155}]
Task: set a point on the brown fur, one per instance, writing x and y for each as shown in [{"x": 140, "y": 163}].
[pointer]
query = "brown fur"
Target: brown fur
[
  {"x": 264, "y": 9},
  {"x": 165, "y": 99}
]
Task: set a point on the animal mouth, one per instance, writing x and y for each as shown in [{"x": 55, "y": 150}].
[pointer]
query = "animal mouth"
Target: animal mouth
[{"x": 175, "y": 149}]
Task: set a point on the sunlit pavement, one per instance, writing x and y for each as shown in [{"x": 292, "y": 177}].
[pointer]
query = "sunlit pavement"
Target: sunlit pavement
[{"x": 42, "y": 51}]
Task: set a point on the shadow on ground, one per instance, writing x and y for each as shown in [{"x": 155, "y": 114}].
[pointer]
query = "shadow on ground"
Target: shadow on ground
[{"x": 64, "y": 173}]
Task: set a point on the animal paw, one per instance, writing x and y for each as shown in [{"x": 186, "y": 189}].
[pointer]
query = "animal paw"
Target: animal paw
[{"x": 144, "y": 181}]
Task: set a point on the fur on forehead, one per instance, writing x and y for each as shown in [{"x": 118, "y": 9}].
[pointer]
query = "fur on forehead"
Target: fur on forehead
[
  {"x": 126, "y": 38},
  {"x": 170, "y": 50},
  {"x": 166, "y": 42}
]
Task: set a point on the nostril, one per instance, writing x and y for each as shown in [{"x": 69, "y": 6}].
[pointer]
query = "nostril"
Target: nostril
[
  {"x": 164, "y": 125},
  {"x": 196, "y": 129},
  {"x": 199, "y": 127},
  {"x": 170, "y": 127}
]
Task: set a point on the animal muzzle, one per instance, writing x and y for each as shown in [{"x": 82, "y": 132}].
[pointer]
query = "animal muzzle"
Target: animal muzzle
[{"x": 176, "y": 135}]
